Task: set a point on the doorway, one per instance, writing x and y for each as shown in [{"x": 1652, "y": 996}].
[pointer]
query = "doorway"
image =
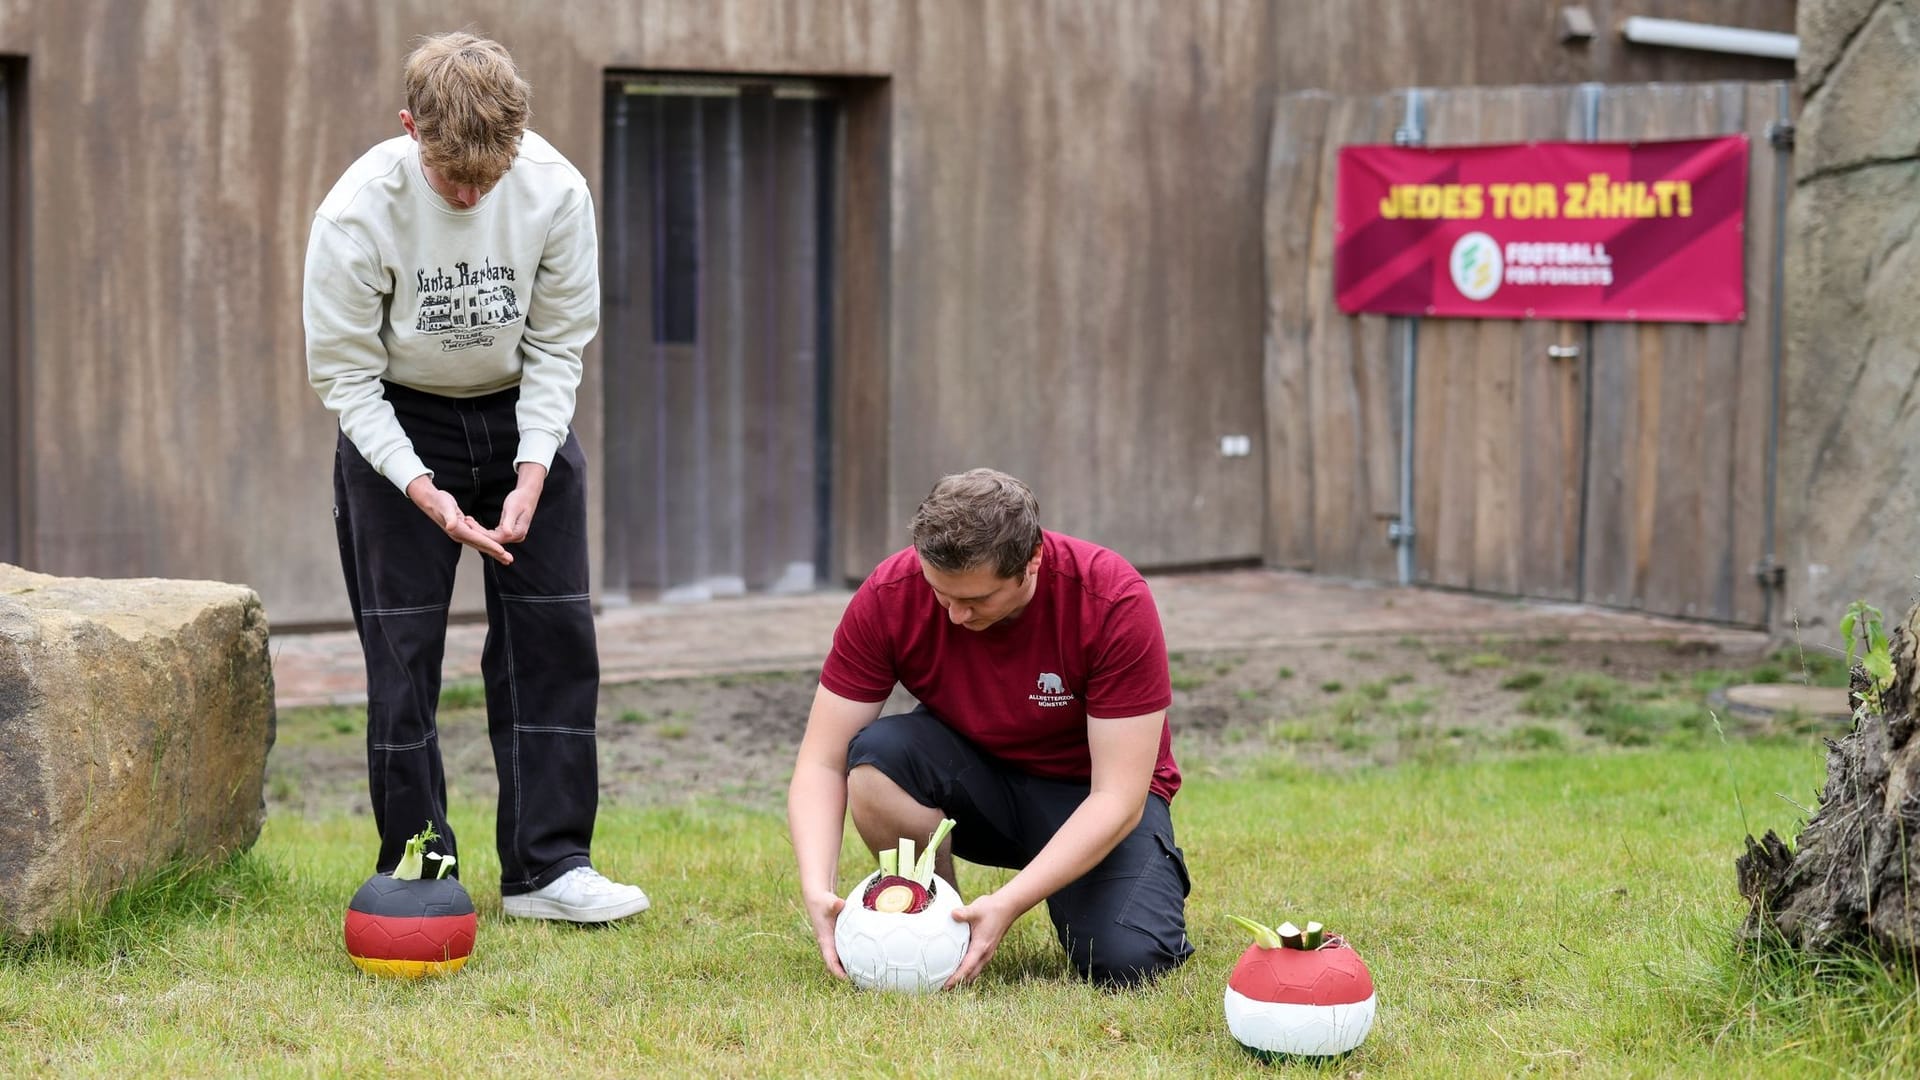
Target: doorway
[{"x": 719, "y": 335}]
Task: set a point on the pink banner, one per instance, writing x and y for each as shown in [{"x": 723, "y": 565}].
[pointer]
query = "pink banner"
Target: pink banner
[{"x": 1649, "y": 231}]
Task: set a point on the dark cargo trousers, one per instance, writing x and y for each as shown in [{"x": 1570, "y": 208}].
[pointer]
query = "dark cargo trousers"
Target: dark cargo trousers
[
  {"x": 1123, "y": 922},
  {"x": 540, "y": 662}
]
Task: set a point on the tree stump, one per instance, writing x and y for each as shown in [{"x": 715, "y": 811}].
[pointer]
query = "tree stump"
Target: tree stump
[{"x": 1847, "y": 882}]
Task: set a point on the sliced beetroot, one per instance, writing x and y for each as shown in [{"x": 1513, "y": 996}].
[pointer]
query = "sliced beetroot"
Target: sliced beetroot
[{"x": 894, "y": 894}]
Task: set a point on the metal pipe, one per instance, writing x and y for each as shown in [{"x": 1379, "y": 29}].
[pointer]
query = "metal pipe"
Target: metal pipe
[
  {"x": 1413, "y": 132},
  {"x": 1710, "y": 38}
]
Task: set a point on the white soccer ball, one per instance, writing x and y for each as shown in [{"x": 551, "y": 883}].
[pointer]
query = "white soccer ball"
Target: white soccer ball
[
  {"x": 1305, "y": 1030},
  {"x": 1301, "y": 1002},
  {"x": 913, "y": 954}
]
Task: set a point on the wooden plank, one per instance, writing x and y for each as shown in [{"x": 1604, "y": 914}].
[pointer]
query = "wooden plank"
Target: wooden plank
[
  {"x": 1667, "y": 446},
  {"x": 1667, "y": 552},
  {"x": 1755, "y": 420},
  {"x": 1330, "y": 348},
  {"x": 1457, "y": 412},
  {"x": 1644, "y": 554},
  {"x": 1618, "y": 517},
  {"x": 1549, "y": 429},
  {"x": 1707, "y": 590},
  {"x": 862, "y": 381},
  {"x": 1347, "y": 540},
  {"x": 1296, "y": 248},
  {"x": 1498, "y": 426}
]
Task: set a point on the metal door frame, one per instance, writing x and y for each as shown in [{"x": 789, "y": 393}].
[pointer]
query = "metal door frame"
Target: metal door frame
[{"x": 15, "y": 416}]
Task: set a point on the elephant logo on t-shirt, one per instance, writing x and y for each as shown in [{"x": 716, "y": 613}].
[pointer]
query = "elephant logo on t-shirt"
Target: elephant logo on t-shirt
[{"x": 1049, "y": 683}]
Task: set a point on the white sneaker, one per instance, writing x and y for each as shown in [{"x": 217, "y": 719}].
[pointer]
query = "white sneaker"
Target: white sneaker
[{"x": 580, "y": 895}]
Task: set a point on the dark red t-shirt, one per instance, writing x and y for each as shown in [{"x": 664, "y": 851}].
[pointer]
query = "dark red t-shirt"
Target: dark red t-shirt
[{"x": 1088, "y": 644}]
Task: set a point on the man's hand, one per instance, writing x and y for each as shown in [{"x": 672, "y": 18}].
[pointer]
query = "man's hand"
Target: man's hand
[
  {"x": 445, "y": 511},
  {"x": 823, "y": 909},
  {"x": 989, "y": 917},
  {"x": 516, "y": 514}
]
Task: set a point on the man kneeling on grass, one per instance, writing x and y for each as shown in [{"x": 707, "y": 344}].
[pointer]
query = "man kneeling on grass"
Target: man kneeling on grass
[{"x": 1041, "y": 673}]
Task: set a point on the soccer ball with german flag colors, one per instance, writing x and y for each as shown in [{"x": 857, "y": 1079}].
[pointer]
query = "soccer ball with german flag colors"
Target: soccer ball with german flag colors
[{"x": 410, "y": 929}]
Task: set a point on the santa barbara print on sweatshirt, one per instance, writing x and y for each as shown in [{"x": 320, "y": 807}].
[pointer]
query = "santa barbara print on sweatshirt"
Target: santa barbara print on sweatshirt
[{"x": 462, "y": 304}]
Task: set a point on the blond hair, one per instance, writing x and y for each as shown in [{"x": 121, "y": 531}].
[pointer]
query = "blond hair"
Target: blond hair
[
  {"x": 469, "y": 105},
  {"x": 978, "y": 518}
]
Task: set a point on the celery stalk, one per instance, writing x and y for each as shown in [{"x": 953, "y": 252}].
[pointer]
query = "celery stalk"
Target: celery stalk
[
  {"x": 906, "y": 857},
  {"x": 1263, "y": 936},
  {"x": 889, "y": 862},
  {"x": 923, "y": 870}
]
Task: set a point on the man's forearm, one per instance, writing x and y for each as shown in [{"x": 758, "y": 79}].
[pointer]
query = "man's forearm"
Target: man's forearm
[
  {"x": 1094, "y": 829},
  {"x": 816, "y": 817}
]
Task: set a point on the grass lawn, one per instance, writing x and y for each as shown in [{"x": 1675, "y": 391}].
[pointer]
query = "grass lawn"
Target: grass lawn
[{"x": 1550, "y": 912}]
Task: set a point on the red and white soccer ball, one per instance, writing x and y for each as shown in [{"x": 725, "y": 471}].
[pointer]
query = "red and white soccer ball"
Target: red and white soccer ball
[
  {"x": 913, "y": 954},
  {"x": 1305, "y": 1002}
]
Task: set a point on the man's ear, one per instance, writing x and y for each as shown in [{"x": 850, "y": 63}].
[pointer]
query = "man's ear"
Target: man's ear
[{"x": 406, "y": 121}]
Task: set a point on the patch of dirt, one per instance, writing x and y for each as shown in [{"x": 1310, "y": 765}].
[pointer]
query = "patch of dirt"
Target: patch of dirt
[{"x": 1336, "y": 705}]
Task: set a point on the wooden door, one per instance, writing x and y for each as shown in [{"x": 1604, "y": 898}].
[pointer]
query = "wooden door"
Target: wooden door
[
  {"x": 1499, "y": 423},
  {"x": 718, "y": 336},
  {"x": 1623, "y": 464},
  {"x": 1677, "y": 507}
]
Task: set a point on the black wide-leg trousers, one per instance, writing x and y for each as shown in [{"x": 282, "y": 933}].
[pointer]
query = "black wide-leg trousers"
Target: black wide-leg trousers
[{"x": 540, "y": 663}]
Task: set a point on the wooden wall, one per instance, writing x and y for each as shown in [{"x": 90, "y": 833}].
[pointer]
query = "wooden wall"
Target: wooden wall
[
  {"x": 1063, "y": 197},
  {"x": 1631, "y": 473},
  {"x": 1371, "y": 46}
]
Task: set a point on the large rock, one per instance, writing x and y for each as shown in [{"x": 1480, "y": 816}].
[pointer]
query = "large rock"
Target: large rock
[
  {"x": 1868, "y": 108},
  {"x": 135, "y": 718},
  {"x": 1827, "y": 28},
  {"x": 1849, "y": 493}
]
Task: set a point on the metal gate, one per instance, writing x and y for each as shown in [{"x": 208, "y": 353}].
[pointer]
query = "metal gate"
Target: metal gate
[
  {"x": 1630, "y": 465},
  {"x": 718, "y": 335}
]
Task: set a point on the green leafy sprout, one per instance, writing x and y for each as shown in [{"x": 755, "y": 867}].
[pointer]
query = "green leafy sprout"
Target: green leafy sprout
[
  {"x": 1865, "y": 630},
  {"x": 413, "y": 862},
  {"x": 1285, "y": 936}
]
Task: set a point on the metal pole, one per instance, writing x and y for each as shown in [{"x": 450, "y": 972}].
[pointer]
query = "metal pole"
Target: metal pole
[
  {"x": 1780, "y": 134},
  {"x": 1412, "y": 132},
  {"x": 1590, "y": 95}
]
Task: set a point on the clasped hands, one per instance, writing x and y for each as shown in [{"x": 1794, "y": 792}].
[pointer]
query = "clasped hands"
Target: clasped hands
[{"x": 516, "y": 513}]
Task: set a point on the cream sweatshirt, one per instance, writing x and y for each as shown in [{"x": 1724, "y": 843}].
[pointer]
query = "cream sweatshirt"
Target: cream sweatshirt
[{"x": 402, "y": 286}]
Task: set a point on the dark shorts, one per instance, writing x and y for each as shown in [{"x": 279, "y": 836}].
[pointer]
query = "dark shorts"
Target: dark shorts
[{"x": 1123, "y": 922}]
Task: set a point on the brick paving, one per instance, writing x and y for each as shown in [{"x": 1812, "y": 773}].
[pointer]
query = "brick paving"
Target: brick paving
[{"x": 1202, "y": 611}]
